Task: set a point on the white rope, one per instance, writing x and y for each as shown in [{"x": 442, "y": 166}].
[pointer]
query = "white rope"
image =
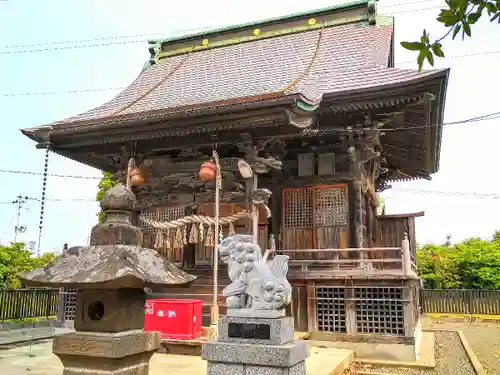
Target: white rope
[
  {"x": 218, "y": 186},
  {"x": 130, "y": 166},
  {"x": 192, "y": 219}
]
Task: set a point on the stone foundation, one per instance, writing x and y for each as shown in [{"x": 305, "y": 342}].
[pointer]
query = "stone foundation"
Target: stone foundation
[
  {"x": 254, "y": 346},
  {"x": 124, "y": 353}
]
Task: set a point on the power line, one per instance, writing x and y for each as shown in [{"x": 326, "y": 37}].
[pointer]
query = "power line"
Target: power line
[
  {"x": 106, "y": 38},
  {"x": 319, "y": 132},
  {"x": 105, "y": 89},
  {"x": 50, "y": 174},
  {"x": 447, "y": 193},
  {"x": 396, "y": 190},
  {"x": 151, "y": 34},
  {"x": 116, "y": 40},
  {"x": 487, "y": 117},
  {"x": 56, "y": 200}
]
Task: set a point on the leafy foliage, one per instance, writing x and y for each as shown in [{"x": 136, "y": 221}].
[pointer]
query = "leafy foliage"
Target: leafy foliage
[
  {"x": 381, "y": 209},
  {"x": 458, "y": 17},
  {"x": 15, "y": 259},
  {"x": 104, "y": 185},
  {"x": 471, "y": 264}
]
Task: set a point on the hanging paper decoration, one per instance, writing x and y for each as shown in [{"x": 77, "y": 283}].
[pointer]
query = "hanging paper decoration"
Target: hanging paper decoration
[
  {"x": 167, "y": 239},
  {"x": 195, "y": 232},
  {"x": 159, "y": 240},
  {"x": 231, "y": 231},
  {"x": 210, "y": 236},
  {"x": 178, "y": 238},
  {"x": 202, "y": 232}
]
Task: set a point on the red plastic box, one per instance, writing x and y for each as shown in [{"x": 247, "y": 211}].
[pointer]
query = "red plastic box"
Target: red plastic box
[{"x": 178, "y": 319}]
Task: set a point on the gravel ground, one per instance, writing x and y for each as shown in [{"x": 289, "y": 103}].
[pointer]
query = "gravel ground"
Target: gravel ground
[
  {"x": 451, "y": 359},
  {"x": 483, "y": 337}
]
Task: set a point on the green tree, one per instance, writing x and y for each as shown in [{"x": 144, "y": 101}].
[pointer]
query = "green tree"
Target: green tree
[
  {"x": 458, "y": 16},
  {"x": 106, "y": 183},
  {"x": 471, "y": 264},
  {"x": 15, "y": 259},
  {"x": 381, "y": 209}
]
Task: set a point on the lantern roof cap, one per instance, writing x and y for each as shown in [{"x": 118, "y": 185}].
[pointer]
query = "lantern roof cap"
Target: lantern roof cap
[
  {"x": 107, "y": 267},
  {"x": 119, "y": 197}
]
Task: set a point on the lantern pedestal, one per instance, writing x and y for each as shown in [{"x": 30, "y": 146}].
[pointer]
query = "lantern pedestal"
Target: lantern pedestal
[{"x": 110, "y": 275}]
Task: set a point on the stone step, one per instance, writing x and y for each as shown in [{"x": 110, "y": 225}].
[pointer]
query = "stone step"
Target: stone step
[{"x": 15, "y": 336}]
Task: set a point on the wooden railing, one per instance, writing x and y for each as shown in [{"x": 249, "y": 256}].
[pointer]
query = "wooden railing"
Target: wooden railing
[
  {"x": 28, "y": 303},
  {"x": 369, "y": 258}
]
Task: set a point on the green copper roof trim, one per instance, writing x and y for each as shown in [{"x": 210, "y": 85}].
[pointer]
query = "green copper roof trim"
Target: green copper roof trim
[
  {"x": 385, "y": 20},
  {"x": 340, "y": 7},
  {"x": 304, "y": 106},
  {"x": 265, "y": 35}
]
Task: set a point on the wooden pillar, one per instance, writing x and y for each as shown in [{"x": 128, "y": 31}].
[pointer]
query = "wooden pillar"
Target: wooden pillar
[
  {"x": 358, "y": 214},
  {"x": 255, "y": 212},
  {"x": 312, "y": 318},
  {"x": 405, "y": 256},
  {"x": 356, "y": 170},
  {"x": 350, "y": 312},
  {"x": 408, "y": 312}
]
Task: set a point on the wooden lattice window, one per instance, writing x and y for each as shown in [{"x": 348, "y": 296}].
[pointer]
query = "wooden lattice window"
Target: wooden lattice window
[
  {"x": 380, "y": 310},
  {"x": 330, "y": 309},
  {"x": 315, "y": 218},
  {"x": 160, "y": 214}
]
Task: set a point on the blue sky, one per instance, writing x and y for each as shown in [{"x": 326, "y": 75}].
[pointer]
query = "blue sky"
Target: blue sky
[{"x": 468, "y": 151}]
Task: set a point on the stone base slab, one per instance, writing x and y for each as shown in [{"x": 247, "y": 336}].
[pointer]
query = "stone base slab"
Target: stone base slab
[
  {"x": 106, "y": 345},
  {"x": 280, "y": 330},
  {"x": 219, "y": 368},
  {"x": 108, "y": 367},
  {"x": 14, "y": 336},
  {"x": 249, "y": 313},
  {"x": 252, "y": 354}
]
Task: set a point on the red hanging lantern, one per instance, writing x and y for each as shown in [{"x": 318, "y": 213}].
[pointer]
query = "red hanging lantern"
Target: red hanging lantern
[{"x": 208, "y": 171}]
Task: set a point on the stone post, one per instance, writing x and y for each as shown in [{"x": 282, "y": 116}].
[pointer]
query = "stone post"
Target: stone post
[{"x": 110, "y": 276}]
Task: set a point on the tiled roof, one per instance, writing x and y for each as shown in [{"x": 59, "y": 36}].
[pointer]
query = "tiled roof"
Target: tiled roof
[{"x": 332, "y": 60}]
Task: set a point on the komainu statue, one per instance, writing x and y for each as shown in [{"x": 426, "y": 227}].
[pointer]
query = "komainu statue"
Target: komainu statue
[{"x": 256, "y": 285}]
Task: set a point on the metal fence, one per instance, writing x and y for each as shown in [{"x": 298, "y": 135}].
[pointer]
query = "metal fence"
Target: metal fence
[
  {"x": 28, "y": 303},
  {"x": 460, "y": 301}
]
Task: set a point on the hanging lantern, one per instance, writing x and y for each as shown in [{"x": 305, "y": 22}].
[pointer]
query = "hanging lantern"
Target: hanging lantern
[
  {"x": 208, "y": 171},
  {"x": 136, "y": 177}
]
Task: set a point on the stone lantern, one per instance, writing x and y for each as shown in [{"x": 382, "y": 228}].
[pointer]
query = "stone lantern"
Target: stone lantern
[{"x": 110, "y": 276}]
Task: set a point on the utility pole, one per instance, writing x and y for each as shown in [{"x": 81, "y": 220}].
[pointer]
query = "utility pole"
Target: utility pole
[{"x": 19, "y": 202}]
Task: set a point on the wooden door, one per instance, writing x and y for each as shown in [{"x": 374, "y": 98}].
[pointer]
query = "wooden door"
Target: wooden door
[{"x": 315, "y": 218}]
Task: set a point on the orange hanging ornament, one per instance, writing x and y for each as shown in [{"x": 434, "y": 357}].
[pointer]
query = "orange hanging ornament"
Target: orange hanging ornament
[
  {"x": 136, "y": 177},
  {"x": 208, "y": 171}
]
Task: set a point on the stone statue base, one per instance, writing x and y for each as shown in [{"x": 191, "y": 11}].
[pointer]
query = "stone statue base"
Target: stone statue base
[
  {"x": 254, "y": 346},
  {"x": 123, "y": 353}
]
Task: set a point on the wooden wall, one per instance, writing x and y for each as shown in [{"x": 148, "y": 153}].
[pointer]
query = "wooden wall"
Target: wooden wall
[{"x": 392, "y": 228}]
